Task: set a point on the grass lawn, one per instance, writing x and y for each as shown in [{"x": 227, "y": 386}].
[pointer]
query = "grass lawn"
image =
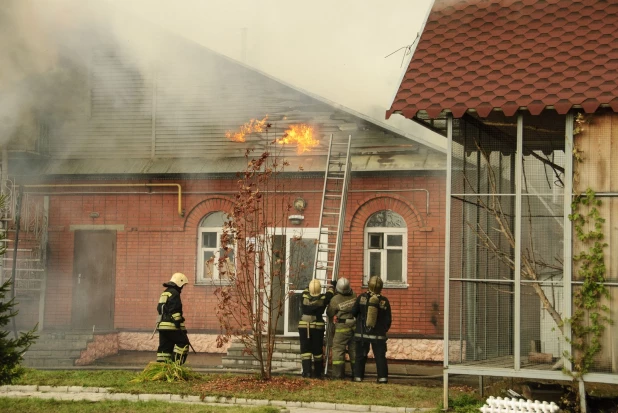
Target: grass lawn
[
  {"x": 32, "y": 405},
  {"x": 289, "y": 388}
]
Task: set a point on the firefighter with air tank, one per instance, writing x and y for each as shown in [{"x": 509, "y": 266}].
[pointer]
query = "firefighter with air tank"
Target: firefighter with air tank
[
  {"x": 173, "y": 341},
  {"x": 339, "y": 312},
  {"x": 373, "y": 320},
  {"x": 311, "y": 328}
]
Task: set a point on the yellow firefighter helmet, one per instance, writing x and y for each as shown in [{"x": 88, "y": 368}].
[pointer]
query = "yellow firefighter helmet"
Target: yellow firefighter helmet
[
  {"x": 375, "y": 284},
  {"x": 179, "y": 279},
  {"x": 315, "y": 287}
]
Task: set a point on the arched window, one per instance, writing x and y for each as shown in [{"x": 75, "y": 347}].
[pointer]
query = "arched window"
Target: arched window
[
  {"x": 386, "y": 246},
  {"x": 209, "y": 249}
]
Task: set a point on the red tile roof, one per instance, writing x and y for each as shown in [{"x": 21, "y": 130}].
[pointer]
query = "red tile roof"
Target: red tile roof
[{"x": 508, "y": 54}]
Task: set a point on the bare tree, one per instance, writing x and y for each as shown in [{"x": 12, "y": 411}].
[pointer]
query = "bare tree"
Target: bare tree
[{"x": 254, "y": 258}]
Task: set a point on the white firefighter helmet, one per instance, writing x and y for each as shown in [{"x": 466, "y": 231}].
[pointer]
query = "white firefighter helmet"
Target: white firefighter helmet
[
  {"x": 315, "y": 287},
  {"x": 343, "y": 286},
  {"x": 179, "y": 279}
]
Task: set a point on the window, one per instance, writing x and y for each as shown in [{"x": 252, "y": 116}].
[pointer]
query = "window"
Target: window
[
  {"x": 209, "y": 249},
  {"x": 386, "y": 241}
]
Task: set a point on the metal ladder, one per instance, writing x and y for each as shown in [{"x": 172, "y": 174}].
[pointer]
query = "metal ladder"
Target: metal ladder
[{"x": 332, "y": 215}]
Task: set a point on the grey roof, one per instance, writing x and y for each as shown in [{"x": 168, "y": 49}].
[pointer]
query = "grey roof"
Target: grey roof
[{"x": 171, "y": 116}]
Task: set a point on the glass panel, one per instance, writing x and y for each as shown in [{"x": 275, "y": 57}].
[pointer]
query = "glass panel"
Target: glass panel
[
  {"x": 481, "y": 322},
  {"x": 209, "y": 266},
  {"x": 375, "y": 263},
  {"x": 294, "y": 303},
  {"x": 229, "y": 256},
  {"x": 209, "y": 239},
  {"x": 394, "y": 240},
  {"x": 302, "y": 255},
  {"x": 277, "y": 277},
  {"x": 478, "y": 250},
  {"x": 393, "y": 265},
  {"x": 386, "y": 218},
  {"x": 490, "y": 169},
  {"x": 376, "y": 240},
  {"x": 214, "y": 220}
]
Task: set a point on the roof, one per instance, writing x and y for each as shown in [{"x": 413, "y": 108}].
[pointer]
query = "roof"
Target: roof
[
  {"x": 170, "y": 115},
  {"x": 483, "y": 55}
]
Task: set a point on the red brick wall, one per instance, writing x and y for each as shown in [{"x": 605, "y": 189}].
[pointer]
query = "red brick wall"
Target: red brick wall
[{"x": 157, "y": 242}]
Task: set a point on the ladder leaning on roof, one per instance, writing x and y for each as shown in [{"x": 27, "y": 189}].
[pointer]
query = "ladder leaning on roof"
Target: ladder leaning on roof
[
  {"x": 332, "y": 220},
  {"x": 332, "y": 214}
]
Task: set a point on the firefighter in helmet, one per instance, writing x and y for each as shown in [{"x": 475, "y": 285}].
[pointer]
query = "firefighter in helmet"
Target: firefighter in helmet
[
  {"x": 311, "y": 327},
  {"x": 373, "y": 320},
  {"x": 173, "y": 341},
  {"x": 339, "y": 312}
]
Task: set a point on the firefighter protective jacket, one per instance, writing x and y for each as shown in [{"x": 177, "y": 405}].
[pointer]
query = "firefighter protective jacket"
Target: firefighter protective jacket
[
  {"x": 170, "y": 308},
  {"x": 383, "y": 323},
  {"x": 312, "y": 309},
  {"x": 341, "y": 306}
]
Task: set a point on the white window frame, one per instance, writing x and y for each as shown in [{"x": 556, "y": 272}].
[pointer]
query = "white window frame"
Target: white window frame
[
  {"x": 200, "y": 278},
  {"x": 404, "y": 256}
]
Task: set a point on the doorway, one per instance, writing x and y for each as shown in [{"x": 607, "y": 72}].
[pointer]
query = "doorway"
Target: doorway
[
  {"x": 94, "y": 270},
  {"x": 299, "y": 272}
]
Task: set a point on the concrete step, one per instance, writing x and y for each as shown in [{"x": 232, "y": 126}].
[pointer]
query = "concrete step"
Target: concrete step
[
  {"x": 283, "y": 347},
  {"x": 45, "y": 343},
  {"x": 58, "y": 345},
  {"x": 47, "y": 362},
  {"x": 251, "y": 363},
  {"x": 78, "y": 336},
  {"x": 54, "y": 354},
  {"x": 284, "y": 355},
  {"x": 57, "y": 349}
]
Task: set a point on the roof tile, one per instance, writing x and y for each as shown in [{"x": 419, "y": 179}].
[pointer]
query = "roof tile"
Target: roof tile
[{"x": 507, "y": 54}]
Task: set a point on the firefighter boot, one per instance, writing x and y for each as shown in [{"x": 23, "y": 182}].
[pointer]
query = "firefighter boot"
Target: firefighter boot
[
  {"x": 337, "y": 371},
  {"x": 306, "y": 368},
  {"x": 318, "y": 369}
]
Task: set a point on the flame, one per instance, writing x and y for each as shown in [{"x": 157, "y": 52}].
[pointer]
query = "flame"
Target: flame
[
  {"x": 253, "y": 125},
  {"x": 302, "y": 135}
]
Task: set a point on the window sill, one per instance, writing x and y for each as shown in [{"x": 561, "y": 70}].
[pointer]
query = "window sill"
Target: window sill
[
  {"x": 216, "y": 283},
  {"x": 393, "y": 286}
]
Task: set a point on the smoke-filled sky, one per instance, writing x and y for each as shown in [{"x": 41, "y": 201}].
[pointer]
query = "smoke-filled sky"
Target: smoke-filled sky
[{"x": 334, "y": 49}]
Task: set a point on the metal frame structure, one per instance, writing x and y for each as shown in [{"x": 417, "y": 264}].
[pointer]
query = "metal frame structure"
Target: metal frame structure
[
  {"x": 333, "y": 208},
  {"x": 516, "y": 371}
]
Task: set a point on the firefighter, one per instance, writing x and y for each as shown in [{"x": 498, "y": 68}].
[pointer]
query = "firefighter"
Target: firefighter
[
  {"x": 311, "y": 327},
  {"x": 339, "y": 312},
  {"x": 173, "y": 340},
  {"x": 373, "y": 320}
]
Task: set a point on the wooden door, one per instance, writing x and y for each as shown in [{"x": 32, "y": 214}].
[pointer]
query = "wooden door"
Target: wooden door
[{"x": 94, "y": 267}]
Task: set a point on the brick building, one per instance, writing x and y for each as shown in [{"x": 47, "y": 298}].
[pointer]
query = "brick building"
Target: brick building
[{"x": 120, "y": 189}]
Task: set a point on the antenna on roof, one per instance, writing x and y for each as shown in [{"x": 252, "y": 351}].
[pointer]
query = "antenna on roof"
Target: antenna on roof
[{"x": 408, "y": 49}]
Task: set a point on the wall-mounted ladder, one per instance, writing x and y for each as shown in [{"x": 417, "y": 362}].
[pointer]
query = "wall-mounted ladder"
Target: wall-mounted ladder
[{"x": 332, "y": 215}]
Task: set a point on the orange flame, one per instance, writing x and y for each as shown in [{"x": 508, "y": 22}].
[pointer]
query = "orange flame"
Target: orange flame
[
  {"x": 253, "y": 125},
  {"x": 302, "y": 135}
]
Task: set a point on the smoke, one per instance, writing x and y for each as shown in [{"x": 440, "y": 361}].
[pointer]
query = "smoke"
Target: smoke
[
  {"x": 69, "y": 66},
  {"x": 72, "y": 68},
  {"x": 33, "y": 83}
]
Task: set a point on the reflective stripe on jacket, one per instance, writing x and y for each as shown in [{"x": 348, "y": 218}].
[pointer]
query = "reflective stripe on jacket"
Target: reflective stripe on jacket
[{"x": 170, "y": 308}]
